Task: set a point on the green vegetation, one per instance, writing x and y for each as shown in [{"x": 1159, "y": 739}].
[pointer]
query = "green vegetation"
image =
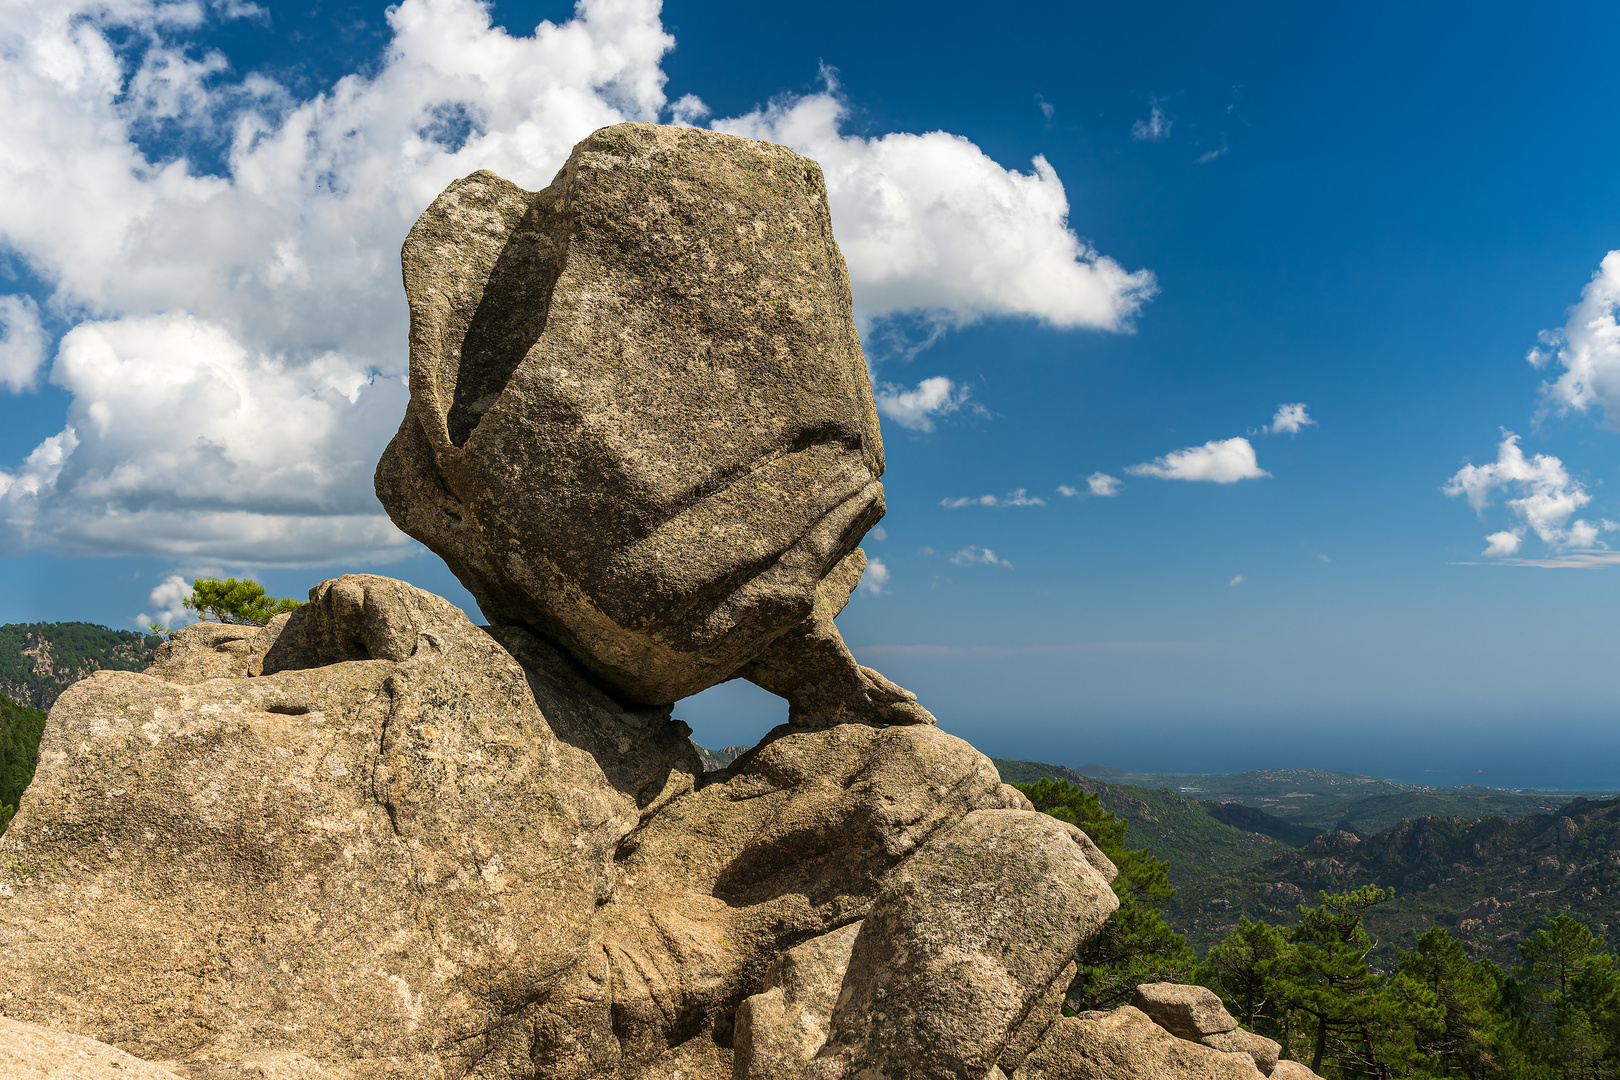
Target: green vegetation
[
  {"x": 714, "y": 760},
  {"x": 1436, "y": 1014},
  {"x": 232, "y": 601},
  {"x": 20, "y": 730},
  {"x": 40, "y": 660},
  {"x": 1490, "y": 881},
  {"x": 1321, "y": 799},
  {"x": 1191, "y": 835}
]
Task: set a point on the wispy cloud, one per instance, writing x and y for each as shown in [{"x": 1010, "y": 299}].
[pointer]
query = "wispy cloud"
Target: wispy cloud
[
  {"x": 1021, "y": 497},
  {"x": 1225, "y": 461},
  {"x": 1237, "y": 579},
  {"x": 1575, "y": 560},
  {"x": 1210, "y": 155},
  {"x": 1156, "y": 128},
  {"x": 970, "y": 555}
]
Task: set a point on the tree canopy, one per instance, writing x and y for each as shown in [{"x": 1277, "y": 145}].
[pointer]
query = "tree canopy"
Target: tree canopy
[{"x": 232, "y": 601}]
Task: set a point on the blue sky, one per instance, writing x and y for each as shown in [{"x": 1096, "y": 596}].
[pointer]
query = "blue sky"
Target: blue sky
[{"x": 1377, "y": 213}]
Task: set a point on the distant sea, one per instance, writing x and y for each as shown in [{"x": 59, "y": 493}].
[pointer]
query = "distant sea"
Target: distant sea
[{"x": 1544, "y": 753}]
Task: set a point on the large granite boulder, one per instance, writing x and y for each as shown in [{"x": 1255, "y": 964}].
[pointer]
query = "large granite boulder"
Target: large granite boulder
[
  {"x": 372, "y": 840},
  {"x": 640, "y": 423}
]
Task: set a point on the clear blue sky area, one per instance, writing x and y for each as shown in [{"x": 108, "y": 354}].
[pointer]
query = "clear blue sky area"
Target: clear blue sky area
[{"x": 1369, "y": 210}]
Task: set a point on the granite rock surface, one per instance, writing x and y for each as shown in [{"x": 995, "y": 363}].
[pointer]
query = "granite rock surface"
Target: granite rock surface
[
  {"x": 641, "y": 425},
  {"x": 372, "y": 840}
]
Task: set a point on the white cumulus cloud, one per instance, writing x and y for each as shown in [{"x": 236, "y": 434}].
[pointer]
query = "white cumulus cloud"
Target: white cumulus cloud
[
  {"x": 22, "y": 343},
  {"x": 244, "y": 363},
  {"x": 1225, "y": 461},
  {"x": 1289, "y": 419},
  {"x": 1587, "y": 348},
  {"x": 1099, "y": 484},
  {"x": 236, "y": 350},
  {"x": 167, "y": 603},
  {"x": 932, "y": 226},
  {"x": 1546, "y": 501},
  {"x": 918, "y": 407}
]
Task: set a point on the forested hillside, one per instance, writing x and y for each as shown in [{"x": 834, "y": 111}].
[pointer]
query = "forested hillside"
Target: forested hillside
[
  {"x": 1490, "y": 881},
  {"x": 40, "y": 660},
  {"x": 1196, "y": 838},
  {"x": 20, "y": 729}
]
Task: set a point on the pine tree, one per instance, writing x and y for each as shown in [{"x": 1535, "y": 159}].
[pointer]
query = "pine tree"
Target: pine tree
[
  {"x": 1243, "y": 970},
  {"x": 232, "y": 601},
  {"x": 1326, "y": 977}
]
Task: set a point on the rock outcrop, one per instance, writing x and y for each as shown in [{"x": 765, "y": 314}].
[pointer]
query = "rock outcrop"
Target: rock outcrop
[
  {"x": 641, "y": 425},
  {"x": 1196, "y": 1013},
  {"x": 1125, "y": 1045},
  {"x": 372, "y": 840}
]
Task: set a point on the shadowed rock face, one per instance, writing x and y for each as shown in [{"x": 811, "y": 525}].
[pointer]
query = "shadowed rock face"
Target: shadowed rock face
[{"x": 640, "y": 423}]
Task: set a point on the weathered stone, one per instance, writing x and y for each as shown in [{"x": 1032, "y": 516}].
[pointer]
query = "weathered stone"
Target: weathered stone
[
  {"x": 343, "y": 862},
  {"x": 640, "y": 424},
  {"x": 32, "y": 1052},
  {"x": 460, "y": 858},
  {"x": 1264, "y": 1051},
  {"x": 780, "y": 1030},
  {"x": 1188, "y": 1012},
  {"x": 1292, "y": 1070},
  {"x": 960, "y": 945},
  {"x": 1042, "y": 1015},
  {"x": 793, "y": 841},
  {"x": 1125, "y": 1045},
  {"x": 1197, "y": 1013}
]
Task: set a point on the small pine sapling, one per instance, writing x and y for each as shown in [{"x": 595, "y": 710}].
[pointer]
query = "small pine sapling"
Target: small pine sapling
[{"x": 232, "y": 601}]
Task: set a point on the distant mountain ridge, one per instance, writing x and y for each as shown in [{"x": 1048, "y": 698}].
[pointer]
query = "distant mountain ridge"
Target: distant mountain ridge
[
  {"x": 40, "y": 660},
  {"x": 1490, "y": 881}
]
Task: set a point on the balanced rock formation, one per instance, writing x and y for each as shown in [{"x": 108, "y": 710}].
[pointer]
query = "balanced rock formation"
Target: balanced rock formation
[
  {"x": 372, "y": 841},
  {"x": 641, "y": 426}
]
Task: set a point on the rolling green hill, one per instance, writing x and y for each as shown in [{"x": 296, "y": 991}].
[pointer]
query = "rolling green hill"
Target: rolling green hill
[
  {"x": 40, "y": 660},
  {"x": 1187, "y": 833}
]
